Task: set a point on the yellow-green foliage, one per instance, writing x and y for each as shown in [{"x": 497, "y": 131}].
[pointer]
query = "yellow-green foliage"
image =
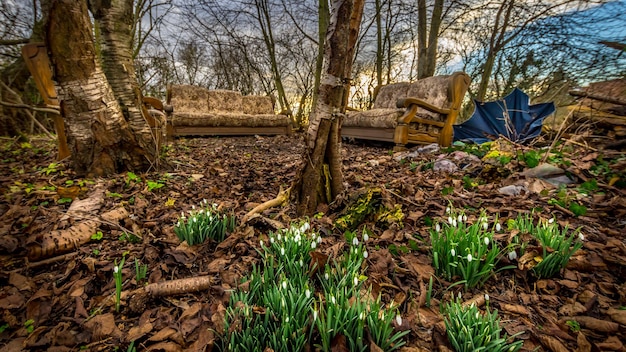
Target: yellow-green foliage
[{"x": 369, "y": 203}]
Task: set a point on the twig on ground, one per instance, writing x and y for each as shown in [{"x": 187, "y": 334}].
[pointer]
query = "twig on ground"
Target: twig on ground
[{"x": 281, "y": 198}]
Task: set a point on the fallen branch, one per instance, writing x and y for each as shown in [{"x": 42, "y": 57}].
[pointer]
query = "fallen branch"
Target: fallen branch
[
  {"x": 596, "y": 96},
  {"x": 180, "y": 286},
  {"x": 281, "y": 198},
  {"x": 30, "y": 107}
]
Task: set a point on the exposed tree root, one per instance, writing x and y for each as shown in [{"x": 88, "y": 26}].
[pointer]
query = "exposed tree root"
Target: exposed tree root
[{"x": 281, "y": 198}]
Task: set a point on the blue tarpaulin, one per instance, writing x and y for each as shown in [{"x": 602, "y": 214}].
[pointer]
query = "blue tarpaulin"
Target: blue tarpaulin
[{"x": 511, "y": 117}]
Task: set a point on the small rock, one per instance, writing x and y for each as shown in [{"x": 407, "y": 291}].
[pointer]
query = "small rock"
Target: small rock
[
  {"x": 445, "y": 165},
  {"x": 513, "y": 190}
]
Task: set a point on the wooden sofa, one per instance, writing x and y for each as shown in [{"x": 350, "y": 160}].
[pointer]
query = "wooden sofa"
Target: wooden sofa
[
  {"x": 422, "y": 112},
  {"x": 197, "y": 111}
]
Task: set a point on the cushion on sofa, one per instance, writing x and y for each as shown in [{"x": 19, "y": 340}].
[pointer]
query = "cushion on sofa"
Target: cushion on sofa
[
  {"x": 257, "y": 104},
  {"x": 228, "y": 101},
  {"x": 188, "y": 98},
  {"x": 229, "y": 120},
  {"x": 375, "y": 118},
  {"x": 388, "y": 95}
]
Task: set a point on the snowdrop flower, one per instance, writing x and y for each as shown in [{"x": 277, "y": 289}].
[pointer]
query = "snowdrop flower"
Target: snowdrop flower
[
  {"x": 485, "y": 226},
  {"x": 319, "y": 239},
  {"x": 437, "y": 227},
  {"x": 498, "y": 227},
  {"x": 279, "y": 237},
  {"x": 332, "y": 299},
  {"x": 307, "y": 293},
  {"x": 305, "y": 227},
  {"x": 116, "y": 269},
  {"x": 581, "y": 236},
  {"x": 486, "y": 297},
  {"x": 287, "y": 320},
  {"x": 271, "y": 239},
  {"x": 454, "y": 222},
  {"x": 398, "y": 320},
  {"x": 355, "y": 241},
  {"x": 193, "y": 207},
  {"x": 512, "y": 255},
  {"x": 182, "y": 214},
  {"x": 448, "y": 210},
  {"x": 356, "y": 281},
  {"x": 261, "y": 243},
  {"x": 550, "y": 221},
  {"x": 297, "y": 238},
  {"x": 314, "y": 315},
  {"x": 285, "y": 284},
  {"x": 365, "y": 254},
  {"x": 453, "y": 252},
  {"x": 469, "y": 257},
  {"x": 464, "y": 218},
  {"x": 460, "y": 218},
  {"x": 205, "y": 201},
  {"x": 486, "y": 239},
  {"x": 313, "y": 244},
  {"x": 326, "y": 276},
  {"x": 282, "y": 250},
  {"x": 450, "y": 220},
  {"x": 361, "y": 316},
  {"x": 301, "y": 263},
  {"x": 366, "y": 237}
]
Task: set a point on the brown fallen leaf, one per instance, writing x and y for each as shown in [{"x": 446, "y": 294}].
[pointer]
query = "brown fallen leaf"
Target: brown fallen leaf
[
  {"x": 583, "y": 344},
  {"x": 594, "y": 324},
  {"x": 515, "y": 309},
  {"x": 103, "y": 326},
  {"x": 136, "y": 332},
  {"x": 611, "y": 344},
  {"x": 162, "y": 334},
  {"x": 618, "y": 315}
]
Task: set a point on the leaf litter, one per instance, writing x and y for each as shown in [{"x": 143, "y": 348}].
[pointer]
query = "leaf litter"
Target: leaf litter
[{"x": 57, "y": 258}]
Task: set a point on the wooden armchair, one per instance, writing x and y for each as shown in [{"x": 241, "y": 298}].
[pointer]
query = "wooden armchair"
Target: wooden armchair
[
  {"x": 38, "y": 63},
  {"x": 421, "y": 112}
]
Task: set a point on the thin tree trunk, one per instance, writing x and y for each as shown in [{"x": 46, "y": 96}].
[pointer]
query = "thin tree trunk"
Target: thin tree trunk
[
  {"x": 99, "y": 137},
  {"x": 315, "y": 185},
  {"x": 428, "y": 39},
  {"x": 323, "y": 18}
]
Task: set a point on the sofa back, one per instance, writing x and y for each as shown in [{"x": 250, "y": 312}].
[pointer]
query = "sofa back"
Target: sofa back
[
  {"x": 389, "y": 94},
  {"x": 194, "y": 99}
]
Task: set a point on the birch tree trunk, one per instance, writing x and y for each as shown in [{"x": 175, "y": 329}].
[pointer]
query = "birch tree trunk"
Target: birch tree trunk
[
  {"x": 115, "y": 21},
  {"x": 321, "y": 179},
  {"x": 100, "y": 139},
  {"x": 428, "y": 39}
]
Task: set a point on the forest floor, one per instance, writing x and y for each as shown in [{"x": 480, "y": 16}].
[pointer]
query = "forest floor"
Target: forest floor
[{"x": 62, "y": 297}]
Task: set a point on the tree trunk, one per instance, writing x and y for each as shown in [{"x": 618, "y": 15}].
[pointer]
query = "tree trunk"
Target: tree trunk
[
  {"x": 320, "y": 179},
  {"x": 323, "y": 19},
  {"x": 100, "y": 139},
  {"x": 428, "y": 39},
  {"x": 115, "y": 21}
]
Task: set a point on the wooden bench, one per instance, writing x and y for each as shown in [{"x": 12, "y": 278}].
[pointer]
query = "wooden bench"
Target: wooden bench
[
  {"x": 197, "y": 111},
  {"x": 422, "y": 112}
]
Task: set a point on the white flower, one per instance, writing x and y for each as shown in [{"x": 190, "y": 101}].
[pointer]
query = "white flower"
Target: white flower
[
  {"x": 326, "y": 276},
  {"x": 205, "y": 201},
  {"x": 356, "y": 281},
  {"x": 261, "y": 242},
  {"x": 398, "y": 320},
  {"x": 460, "y": 218},
  {"x": 437, "y": 227},
  {"x": 193, "y": 207},
  {"x": 469, "y": 257},
  {"x": 271, "y": 239},
  {"x": 279, "y": 237},
  {"x": 450, "y": 220},
  {"x": 305, "y": 227},
  {"x": 361, "y": 315},
  {"x": 486, "y": 297},
  {"x": 448, "y": 210},
  {"x": 332, "y": 299},
  {"x": 286, "y": 319},
  {"x": 297, "y": 238},
  {"x": 282, "y": 250},
  {"x": 314, "y": 315},
  {"x": 486, "y": 239},
  {"x": 301, "y": 263},
  {"x": 284, "y": 285},
  {"x": 581, "y": 236},
  {"x": 498, "y": 227},
  {"x": 365, "y": 254},
  {"x": 307, "y": 293},
  {"x": 366, "y": 237},
  {"x": 454, "y": 222},
  {"x": 313, "y": 244},
  {"x": 116, "y": 269},
  {"x": 182, "y": 214},
  {"x": 319, "y": 239},
  {"x": 512, "y": 255},
  {"x": 551, "y": 220},
  {"x": 453, "y": 252},
  {"x": 464, "y": 218},
  {"x": 485, "y": 226},
  {"x": 355, "y": 241}
]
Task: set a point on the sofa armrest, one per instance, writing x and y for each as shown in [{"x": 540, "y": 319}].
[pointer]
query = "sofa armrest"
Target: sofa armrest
[{"x": 407, "y": 102}]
